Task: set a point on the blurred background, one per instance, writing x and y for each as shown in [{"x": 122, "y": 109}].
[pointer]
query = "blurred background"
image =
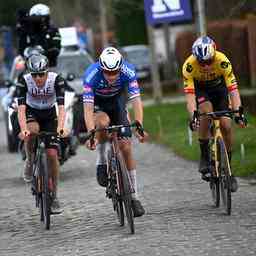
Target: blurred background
[{"x": 122, "y": 23}]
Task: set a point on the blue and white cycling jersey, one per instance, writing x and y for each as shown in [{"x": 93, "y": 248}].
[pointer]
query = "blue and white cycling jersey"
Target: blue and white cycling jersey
[{"x": 95, "y": 83}]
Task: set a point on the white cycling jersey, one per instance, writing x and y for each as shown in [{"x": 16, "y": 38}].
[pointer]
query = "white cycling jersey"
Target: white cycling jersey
[{"x": 41, "y": 98}]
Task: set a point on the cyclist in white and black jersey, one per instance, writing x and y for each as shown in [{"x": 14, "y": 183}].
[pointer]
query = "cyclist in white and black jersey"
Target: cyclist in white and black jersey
[{"x": 37, "y": 92}]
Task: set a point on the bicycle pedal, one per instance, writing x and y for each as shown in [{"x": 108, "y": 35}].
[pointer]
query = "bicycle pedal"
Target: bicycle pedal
[{"x": 206, "y": 177}]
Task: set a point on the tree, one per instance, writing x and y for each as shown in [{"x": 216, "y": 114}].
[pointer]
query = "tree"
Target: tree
[{"x": 130, "y": 21}]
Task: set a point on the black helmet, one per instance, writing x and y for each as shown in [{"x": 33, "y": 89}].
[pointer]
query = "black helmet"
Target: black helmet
[{"x": 37, "y": 63}]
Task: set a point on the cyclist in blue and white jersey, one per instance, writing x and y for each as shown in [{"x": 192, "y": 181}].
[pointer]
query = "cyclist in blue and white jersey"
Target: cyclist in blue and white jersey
[{"x": 107, "y": 83}]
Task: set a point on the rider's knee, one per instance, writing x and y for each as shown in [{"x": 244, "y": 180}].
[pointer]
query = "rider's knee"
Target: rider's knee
[
  {"x": 125, "y": 146},
  {"x": 225, "y": 126},
  {"x": 102, "y": 120}
]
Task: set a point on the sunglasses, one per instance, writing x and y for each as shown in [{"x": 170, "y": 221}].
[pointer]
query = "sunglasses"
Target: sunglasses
[
  {"x": 111, "y": 73},
  {"x": 40, "y": 74}
]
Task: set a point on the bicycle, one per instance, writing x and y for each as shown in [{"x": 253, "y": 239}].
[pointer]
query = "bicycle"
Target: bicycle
[
  {"x": 220, "y": 179},
  {"x": 42, "y": 184},
  {"x": 119, "y": 187}
]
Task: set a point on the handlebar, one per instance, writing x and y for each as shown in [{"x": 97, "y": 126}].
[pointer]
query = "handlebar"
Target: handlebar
[
  {"x": 216, "y": 114},
  {"x": 114, "y": 128}
]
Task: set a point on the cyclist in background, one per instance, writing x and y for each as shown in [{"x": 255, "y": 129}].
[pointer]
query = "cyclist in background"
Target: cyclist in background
[
  {"x": 210, "y": 85},
  {"x": 34, "y": 28},
  {"x": 37, "y": 92},
  {"x": 105, "y": 85}
]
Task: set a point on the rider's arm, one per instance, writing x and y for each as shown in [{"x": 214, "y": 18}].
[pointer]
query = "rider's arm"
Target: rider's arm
[
  {"x": 191, "y": 103},
  {"x": 134, "y": 98},
  {"x": 231, "y": 83},
  {"x": 88, "y": 116},
  {"x": 138, "y": 109},
  {"x": 235, "y": 99},
  {"x": 21, "y": 90},
  {"x": 189, "y": 90},
  {"x": 88, "y": 99},
  {"x": 60, "y": 96}
]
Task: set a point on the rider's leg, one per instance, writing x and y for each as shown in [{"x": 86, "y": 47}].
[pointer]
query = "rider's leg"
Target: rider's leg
[
  {"x": 33, "y": 127},
  {"x": 225, "y": 126},
  {"x": 101, "y": 120},
  {"x": 53, "y": 164},
  {"x": 226, "y": 130},
  {"x": 53, "y": 167},
  {"x": 126, "y": 149},
  {"x": 204, "y": 138}
]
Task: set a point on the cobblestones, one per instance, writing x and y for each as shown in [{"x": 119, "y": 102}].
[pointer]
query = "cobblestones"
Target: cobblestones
[{"x": 180, "y": 219}]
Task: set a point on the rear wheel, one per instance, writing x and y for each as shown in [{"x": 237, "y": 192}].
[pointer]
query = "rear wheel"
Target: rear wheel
[
  {"x": 125, "y": 192},
  {"x": 225, "y": 176}
]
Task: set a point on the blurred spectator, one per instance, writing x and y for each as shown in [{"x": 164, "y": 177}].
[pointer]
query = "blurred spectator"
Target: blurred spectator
[
  {"x": 34, "y": 28},
  {"x": 3, "y": 73},
  {"x": 81, "y": 34}
]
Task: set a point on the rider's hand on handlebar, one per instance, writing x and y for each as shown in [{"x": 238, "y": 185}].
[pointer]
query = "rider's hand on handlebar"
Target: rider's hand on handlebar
[
  {"x": 141, "y": 135},
  {"x": 241, "y": 121},
  {"x": 62, "y": 132},
  {"x": 194, "y": 121},
  {"x": 24, "y": 134},
  {"x": 240, "y": 118},
  {"x": 91, "y": 143},
  {"x": 141, "y": 138}
]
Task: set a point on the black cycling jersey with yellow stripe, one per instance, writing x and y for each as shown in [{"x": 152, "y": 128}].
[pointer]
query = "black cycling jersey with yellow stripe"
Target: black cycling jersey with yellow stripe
[{"x": 218, "y": 72}]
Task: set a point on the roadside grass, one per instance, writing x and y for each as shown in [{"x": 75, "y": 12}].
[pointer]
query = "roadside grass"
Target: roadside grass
[{"x": 167, "y": 124}]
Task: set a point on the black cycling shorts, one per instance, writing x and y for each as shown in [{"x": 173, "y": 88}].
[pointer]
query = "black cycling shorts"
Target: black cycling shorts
[
  {"x": 217, "y": 95},
  {"x": 47, "y": 120},
  {"x": 115, "y": 108}
]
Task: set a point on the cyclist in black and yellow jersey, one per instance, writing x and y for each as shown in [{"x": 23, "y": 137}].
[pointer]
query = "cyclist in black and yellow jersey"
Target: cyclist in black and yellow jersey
[{"x": 210, "y": 85}]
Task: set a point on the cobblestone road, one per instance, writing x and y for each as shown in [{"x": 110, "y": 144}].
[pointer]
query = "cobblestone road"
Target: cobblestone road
[{"x": 179, "y": 219}]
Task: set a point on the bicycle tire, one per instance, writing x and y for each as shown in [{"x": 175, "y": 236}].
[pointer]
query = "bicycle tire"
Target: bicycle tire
[
  {"x": 215, "y": 191},
  {"x": 225, "y": 176},
  {"x": 214, "y": 181},
  {"x": 46, "y": 192},
  {"x": 120, "y": 212},
  {"x": 116, "y": 201},
  {"x": 125, "y": 192}
]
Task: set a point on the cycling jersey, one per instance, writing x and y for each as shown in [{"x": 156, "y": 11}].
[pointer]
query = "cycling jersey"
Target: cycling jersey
[
  {"x": 215, "y": 75},
  {"x": 95, "y": 83},
  {"x": 41, "y": 98}
]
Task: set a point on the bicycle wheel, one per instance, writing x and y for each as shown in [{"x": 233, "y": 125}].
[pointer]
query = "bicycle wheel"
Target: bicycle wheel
[
  {"x": 120, "y": 211},
  {"x": 39, "y": 197},
  {"x": 46, "y": 200},
  {"x": 215, "y": 189},
  {"x": 225, "y": 175},
  {"x": 112, "y": 189},
  {"x": 214, "y": 181},
  {"x": 125, "y": 190}
]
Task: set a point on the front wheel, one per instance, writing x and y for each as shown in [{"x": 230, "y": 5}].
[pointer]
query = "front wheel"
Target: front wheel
[
  {"x": 225, "y": 176},
  {"x": 125, "y": 192},
  {"x": 215, "y": 189},
  {"x": 46, "y": 192}
]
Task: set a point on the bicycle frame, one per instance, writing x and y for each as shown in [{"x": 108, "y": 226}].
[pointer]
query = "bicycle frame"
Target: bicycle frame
[{"x": 217, "y": 134}]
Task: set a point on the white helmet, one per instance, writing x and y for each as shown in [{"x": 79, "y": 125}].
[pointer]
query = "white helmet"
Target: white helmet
[
  {"x": 111, "y": 59},
  {"x": 39, "y": 10}
]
